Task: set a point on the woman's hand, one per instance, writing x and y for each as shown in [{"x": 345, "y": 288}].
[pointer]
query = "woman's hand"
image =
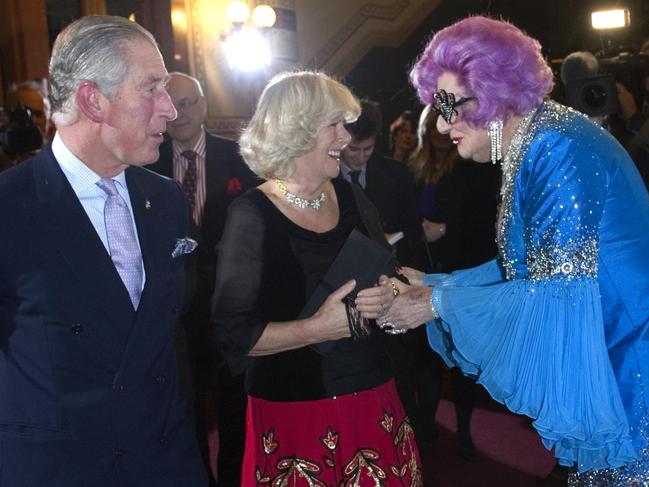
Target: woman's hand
[
  {"x": 375, "y": 301},
  {"x": 330, "y": 321},
  {"x": 433, "y": 231}
]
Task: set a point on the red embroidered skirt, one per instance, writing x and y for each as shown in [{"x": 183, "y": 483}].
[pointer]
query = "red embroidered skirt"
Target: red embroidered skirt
[{"x": 360, "y": 439}]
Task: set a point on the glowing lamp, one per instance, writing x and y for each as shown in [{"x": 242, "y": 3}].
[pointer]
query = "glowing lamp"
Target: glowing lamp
[
  {"x": 246, "y": 46},
  {"x": 263, "y": 16},
  {"x": 247, "y": 49},
  {"x": 610, "y": 19},
  {"x": 237, "y": 12}
]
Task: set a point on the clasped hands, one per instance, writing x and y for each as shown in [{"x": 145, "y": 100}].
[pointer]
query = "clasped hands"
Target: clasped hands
[{"x": 397, "y": 307}]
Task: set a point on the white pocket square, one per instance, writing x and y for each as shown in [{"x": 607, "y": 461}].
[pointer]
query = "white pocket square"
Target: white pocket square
[{"x": 184, "y": 246}]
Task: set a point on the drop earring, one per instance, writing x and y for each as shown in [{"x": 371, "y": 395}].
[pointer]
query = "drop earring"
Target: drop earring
[{"x": 496, "y": 138}]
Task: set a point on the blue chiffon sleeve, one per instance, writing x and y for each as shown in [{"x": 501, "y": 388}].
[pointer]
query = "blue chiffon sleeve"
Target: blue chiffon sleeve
[
  {"x": 536, "y": 341},
  {"x": 529, "y": 351},
  {"x": 487, "y": 273}
]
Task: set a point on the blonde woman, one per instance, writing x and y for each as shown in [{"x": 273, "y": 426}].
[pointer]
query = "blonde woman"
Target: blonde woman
[{"x": 322, "y": 404}]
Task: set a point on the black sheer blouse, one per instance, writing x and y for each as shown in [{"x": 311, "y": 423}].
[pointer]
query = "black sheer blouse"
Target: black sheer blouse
[{"x": 268, "y": 268}]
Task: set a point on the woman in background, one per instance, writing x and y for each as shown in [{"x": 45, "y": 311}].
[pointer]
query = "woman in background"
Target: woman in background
[
  {"x": 403, "y": 136},
  {"x": 429, "y": 164}
]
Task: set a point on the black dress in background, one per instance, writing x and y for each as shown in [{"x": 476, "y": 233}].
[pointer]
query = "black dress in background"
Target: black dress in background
[{"x": 466, "y": 199}]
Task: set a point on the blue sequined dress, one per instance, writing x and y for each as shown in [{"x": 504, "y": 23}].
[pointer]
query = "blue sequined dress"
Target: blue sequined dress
[{"x": 557, "y": 327}]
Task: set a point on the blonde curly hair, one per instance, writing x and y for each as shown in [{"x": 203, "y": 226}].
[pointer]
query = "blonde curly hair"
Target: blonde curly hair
[{"x": 290, "y": 111}]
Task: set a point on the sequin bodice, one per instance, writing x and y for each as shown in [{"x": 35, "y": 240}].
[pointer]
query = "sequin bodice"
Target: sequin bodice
[{"x": 550, "y": 229}]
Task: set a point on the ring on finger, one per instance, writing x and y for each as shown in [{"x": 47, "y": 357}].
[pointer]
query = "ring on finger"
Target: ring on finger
[
  {"x": 395, "y": 289},
  {"x": 389, "y": 328}
]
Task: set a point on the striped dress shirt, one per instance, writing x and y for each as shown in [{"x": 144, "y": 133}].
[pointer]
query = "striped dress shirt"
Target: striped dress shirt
[{"x": 180, "y": 167}]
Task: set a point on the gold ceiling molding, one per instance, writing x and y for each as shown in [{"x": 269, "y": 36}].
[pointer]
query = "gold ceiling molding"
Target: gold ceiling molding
[
  {"x": 373, "y": 25},
  {"x": 346, "y": 59},
  {"x": 195, "y": 42},
  {"x": 366, "y": 12},
  {"x": 227, "y": 127}
]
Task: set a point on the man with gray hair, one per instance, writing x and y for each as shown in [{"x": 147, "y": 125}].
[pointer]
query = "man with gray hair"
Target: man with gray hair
[{"x": 91, "y": 279}]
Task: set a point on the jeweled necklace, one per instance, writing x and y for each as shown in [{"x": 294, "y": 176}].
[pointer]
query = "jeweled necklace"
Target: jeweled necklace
[{"x": 300, "y": 202}]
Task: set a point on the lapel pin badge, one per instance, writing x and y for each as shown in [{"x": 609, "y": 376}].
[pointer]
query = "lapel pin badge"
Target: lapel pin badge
[{"x": 147, "y": 204}]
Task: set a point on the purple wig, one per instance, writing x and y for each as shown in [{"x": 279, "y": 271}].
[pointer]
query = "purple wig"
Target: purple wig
[{"x": 494, "y": 61}]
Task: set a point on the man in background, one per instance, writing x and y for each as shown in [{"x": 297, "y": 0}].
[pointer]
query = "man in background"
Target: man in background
[
  {"x": 626, "y": 124},
  {"x": 31, "y": 94},
  {"x": 211, "y": 173},
  {"x": 386, "y": 182}
]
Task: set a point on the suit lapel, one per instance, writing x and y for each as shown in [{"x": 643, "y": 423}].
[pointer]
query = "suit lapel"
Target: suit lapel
[
  {"x": 61, "y": 214},
  {"x": 370, "y": 177},
  {"x": 147, "y": 210},
  {"x": 214, "y": 168},
  {"x": 68, "y": 230}
]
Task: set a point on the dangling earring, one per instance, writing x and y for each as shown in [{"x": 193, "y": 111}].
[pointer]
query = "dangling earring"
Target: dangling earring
[{"x": 496, "y": 138}]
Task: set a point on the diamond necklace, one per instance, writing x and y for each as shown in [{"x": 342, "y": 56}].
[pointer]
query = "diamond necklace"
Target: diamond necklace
[{"x": 300, "y": 202}]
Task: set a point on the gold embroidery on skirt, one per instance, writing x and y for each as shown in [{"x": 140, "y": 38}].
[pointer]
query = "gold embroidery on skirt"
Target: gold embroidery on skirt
[{"x": 364, "y": 464}]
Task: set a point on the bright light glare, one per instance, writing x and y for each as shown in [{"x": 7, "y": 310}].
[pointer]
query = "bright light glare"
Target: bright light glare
[
  {"x": 263, "y": 16},
  {"x": 237, "y": 11},
  {"x": 610, "y": 19},
  {"x": 247, "y": 50},
  {"x": 179, "y": 19}
]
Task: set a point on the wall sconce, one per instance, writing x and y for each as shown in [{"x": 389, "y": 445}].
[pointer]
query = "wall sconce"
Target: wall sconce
[
  {"x": 246, "y": 46},
  {"x": 610, "y": 19}
]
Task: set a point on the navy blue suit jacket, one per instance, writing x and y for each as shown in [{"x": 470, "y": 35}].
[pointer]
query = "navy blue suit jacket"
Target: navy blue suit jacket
[{"x": 88, "y": 387}]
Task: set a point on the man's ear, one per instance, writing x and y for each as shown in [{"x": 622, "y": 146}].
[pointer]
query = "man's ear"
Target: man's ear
[
  {"x": 203, "y": 107},
  {"x": 91, "y": 102}
]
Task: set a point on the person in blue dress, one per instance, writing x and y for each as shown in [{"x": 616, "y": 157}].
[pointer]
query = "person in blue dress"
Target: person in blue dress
[{"x": 557, "y": 326}]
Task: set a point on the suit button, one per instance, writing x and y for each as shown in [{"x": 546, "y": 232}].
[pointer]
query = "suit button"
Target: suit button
[
  {"x": 118, "y": 388},
  {"x": 163, "y": 440},
  {"x": 118, "y": 452},
  {"x": 76, "y": 328},
  {"x": 161, "y": 379},
  {"x": 175, "y": 310}
]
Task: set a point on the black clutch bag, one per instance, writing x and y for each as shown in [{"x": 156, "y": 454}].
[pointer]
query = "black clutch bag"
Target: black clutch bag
[{"x": 360, "y": 258}]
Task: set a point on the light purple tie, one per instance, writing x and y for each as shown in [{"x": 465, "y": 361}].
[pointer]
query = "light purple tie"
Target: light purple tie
[{"x": 122, "y": 243}]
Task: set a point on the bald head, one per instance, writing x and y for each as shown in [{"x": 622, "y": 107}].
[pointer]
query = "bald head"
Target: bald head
[{"x": 187, "y": 96}]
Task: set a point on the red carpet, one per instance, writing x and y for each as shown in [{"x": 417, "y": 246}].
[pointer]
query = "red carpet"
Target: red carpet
[{"x": 510, "y": 452}]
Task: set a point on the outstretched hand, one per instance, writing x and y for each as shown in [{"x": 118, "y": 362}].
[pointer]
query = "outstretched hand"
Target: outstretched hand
[{"x": 411, "y": 308}]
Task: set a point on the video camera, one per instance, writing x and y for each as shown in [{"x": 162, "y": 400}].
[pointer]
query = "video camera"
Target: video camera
[
  {"x": 18, "y": 134},
  {"x": 593, "y": 95},
  {"x": 597, "y": 95}
]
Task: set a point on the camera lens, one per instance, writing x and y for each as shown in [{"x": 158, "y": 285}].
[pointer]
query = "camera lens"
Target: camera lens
[{"x": 594, "y": 96}]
